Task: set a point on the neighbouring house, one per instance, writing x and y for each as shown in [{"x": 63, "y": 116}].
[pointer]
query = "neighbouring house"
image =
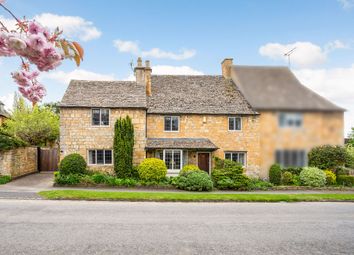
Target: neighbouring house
[
  {"x": 3, "y": 113},
  {"x": 250, "y": 114}
]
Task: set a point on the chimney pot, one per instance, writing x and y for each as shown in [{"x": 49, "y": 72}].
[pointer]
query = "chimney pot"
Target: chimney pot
[
  {"x": 140, "y": 62},
  {"x": 226, "y": 67},
  {"x": 147, "y": 63}
]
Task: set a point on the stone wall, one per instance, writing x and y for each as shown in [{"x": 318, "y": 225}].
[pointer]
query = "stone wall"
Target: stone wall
[
  {"x": 216, "y": 129},
  {"x": 318, "y": 128},
  {"x": 18, "y": 162},
  {"x": 77, "y": 135}
]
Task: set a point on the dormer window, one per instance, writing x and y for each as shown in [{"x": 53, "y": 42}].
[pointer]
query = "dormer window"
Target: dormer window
[
  {"x": 171, "y": 123},
  {"x": 235, "y": 123},
  {"x": 100, "y": 117}
]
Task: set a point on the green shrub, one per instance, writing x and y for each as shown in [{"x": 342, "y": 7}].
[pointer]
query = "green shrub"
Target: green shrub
[
  {"x": 350, "y": 155},
  {"x": 275, "y": 174},
  {"x": 330, "y": 177},
  {"x": 103, "y": 178},
  {"x": 152, "y": 169},
  {"x": 189, "y": 168},
  {"x": 194, "y": 181},
  {"x": 293, "y": 170},
  {"x": 287, "y": 178},
  {"x": 73, "y": 164},
  {"x": 327, "y": 157},
  {"x": 8, "y": 142},
  {"x": 312, "y": 176},
  {"x": 230, "y": 176},
  {"x": 257, "y": 184},
  {"x": 4, "y": 179},
  {"x": 67, "y": 179},
  {"x": 127, "y": 182},
  {"x": 342, "y": 171},
  {"x": 228, "y": 164},
  {"x": 346, "y": 180},
  {"x": 296, "y": 180}
]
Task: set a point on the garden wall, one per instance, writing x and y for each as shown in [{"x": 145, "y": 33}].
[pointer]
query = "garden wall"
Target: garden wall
[{"x": 18, "y": 162}]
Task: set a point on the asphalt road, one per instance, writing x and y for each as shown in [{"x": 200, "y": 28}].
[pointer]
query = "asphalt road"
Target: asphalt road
[{"x": 79, "y": 227}]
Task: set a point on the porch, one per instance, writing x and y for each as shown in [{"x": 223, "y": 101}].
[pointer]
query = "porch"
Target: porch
[{"x": 178, "y": 152}]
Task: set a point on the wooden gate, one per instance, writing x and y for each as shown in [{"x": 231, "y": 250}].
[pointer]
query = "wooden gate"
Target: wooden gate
[{"x": 48, "y": 159}]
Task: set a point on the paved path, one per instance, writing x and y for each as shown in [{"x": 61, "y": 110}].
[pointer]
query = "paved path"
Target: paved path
[{"x": 79, "y": 227}]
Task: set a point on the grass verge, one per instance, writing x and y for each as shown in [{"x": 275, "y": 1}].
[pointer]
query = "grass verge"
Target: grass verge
[{"x": 190, "y": 197}]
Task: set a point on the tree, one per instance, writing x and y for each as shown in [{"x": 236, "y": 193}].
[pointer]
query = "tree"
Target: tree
[
  {"x": 351, "y": 137},
  {"x": 123, "y": 147},
  {"x": 37, "y": 125},
  {"x": 36, "y": 45}
]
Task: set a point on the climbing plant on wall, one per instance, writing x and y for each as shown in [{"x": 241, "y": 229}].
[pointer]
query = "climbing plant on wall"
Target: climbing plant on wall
[{"x": 123, "y": 147}]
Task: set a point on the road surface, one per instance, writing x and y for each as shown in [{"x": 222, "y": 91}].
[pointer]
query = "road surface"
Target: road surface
[{"x": 79, "y": 227}]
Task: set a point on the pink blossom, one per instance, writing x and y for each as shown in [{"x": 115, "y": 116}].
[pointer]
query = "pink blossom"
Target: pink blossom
[
  {"x": 35, "y": 28},
  {"x": 16, "y": 43},
  {"x": 36, "y": 42},
  {"x": 2, "y": 1}
]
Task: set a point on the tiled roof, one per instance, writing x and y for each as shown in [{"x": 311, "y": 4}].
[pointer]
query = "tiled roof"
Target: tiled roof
[
  {"x": 196, "y": 94},
  {"x": 277, "y": 88},
  {"x": 180, "y": 143},
  {"x": 114, "y": 94}
]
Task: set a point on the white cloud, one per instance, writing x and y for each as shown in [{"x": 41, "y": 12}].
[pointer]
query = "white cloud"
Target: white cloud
[
  {"x": 306, "y": 54},
  {"x": 73, "y": 26},
  {"x": 335, "y": 84},
  {"x": 77, "y": 74},
  {"x": 346, "y": 4},
  {"x": 133, "y": 48},
  {"x": 175, "y": 70},
  {"x": 8, "y": 101}
]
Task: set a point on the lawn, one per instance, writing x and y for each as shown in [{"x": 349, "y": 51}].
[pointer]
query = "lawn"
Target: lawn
[{"x": 190, "y": 197}]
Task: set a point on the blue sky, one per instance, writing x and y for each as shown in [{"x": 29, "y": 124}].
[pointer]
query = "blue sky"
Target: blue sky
[{"x": 192, "y": 37}]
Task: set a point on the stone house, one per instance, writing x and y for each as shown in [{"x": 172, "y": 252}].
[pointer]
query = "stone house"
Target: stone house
[
  {"x": 3, "y": 113},
  {"x": 252, "y": 115}
]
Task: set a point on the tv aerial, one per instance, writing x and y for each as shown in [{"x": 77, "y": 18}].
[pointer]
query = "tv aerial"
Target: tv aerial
[{"x": 288, "y": 54}]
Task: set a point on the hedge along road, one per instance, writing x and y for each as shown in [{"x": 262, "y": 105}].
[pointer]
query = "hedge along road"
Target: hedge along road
[{"x": 191, "y": 197}]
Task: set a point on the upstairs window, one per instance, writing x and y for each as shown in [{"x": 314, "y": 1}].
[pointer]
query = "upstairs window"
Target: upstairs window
[
  {"x": 291, "y": 158},
  {"x": 236, "y": 156},
  {"x": 100, "y": 157},
  {"x": 290, "y": 120},
  {"x": 235, "y": 123},
  {"x": 100, "y": 117},
  {"x": 171, "y": 123}
]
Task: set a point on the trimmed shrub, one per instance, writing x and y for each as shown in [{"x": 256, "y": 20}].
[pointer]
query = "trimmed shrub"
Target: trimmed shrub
[
  {"x": 123, "y": 144},
  {"x": 275, "y": 174},
  {"x": 230, "y": 179},
  {"x": 330, "y": 177},
  {"x": 312, "y": 176},
  {"x": 189, "y": 168},
  {"x": 327, "y": 157},
  {"x": 72, "y": 164},
  {"x": 152, "y": 169},
  {"x": 293, "y": 170},
  {"x": 287, "y": 178},
  {"x": 4, "y": 179},
  {"x": 346, "y": 180},
  {"x": 296, "y": 180},
  {"x": 194, "y": 181},
  {"x": 70, "y": 178}
]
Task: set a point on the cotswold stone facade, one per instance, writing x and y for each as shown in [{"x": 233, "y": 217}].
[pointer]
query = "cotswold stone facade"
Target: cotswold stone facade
[
  {"x": 18, "y": 162},
  {"x": 78, "y": 135},
  {"x": 186, "y": 119}
]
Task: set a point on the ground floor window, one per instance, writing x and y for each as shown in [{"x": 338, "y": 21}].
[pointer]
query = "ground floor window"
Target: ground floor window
[
  {"x": 174, "y": 159},
  {"x": 236, "y": 156},
  {"x": 100, "y": 157},
  {"x": 291, "y": 158}
]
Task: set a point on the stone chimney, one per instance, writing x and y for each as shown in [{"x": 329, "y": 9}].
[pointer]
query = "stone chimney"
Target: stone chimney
[
  {"x": 148, "y": 71},
  {"x": 226, "y": 67},
  {"x": 139, "y": 72}
]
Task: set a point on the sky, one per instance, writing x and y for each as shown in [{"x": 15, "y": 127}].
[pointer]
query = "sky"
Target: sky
[{"x": 193, "y": 37}]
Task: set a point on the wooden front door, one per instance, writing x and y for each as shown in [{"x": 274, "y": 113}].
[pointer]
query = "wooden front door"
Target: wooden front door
[{"x": 204, "y": 161}]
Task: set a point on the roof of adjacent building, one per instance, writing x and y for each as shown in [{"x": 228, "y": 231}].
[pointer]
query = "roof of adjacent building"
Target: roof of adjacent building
[
  {"x": 111, "y": 94},
  {"x": 196, "y": 94},
  {"x": 3, "y": 112},
  {"x": 277, "y": 88},
  {"x": 180, "y": 143}
]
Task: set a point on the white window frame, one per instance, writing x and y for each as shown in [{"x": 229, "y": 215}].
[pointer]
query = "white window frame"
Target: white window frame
[
  {"x": 228, "y": 123},
  {"x": 290, "y": 115},
  {"x": 173, "y": 150},
  {"x": 104, "y": 157},
  {"x": 237, "y": 152},
  {"x": 101, "y": 125},
  {"x": 171, "y": 116}
]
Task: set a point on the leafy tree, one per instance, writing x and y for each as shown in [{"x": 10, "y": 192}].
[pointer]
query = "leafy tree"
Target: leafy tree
[
  {"x": 37, "y": 125},
  {"x": 54, "y": 106},
  {"x": 123, "y": 147},
  {"x": 351, "y": 137}
]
